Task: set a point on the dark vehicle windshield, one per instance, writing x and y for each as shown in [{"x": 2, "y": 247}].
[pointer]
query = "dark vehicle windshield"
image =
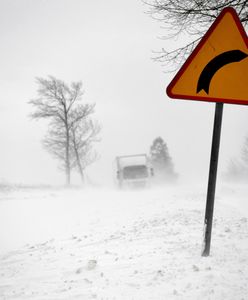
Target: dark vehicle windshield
[{"x": 133, "y": 172}]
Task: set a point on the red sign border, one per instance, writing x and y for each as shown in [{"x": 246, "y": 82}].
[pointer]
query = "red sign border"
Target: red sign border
[{"x": 196, "y": 51}]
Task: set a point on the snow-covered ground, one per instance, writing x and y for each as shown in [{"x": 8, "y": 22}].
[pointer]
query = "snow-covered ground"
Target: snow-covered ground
[{"x": 84, "y": 244}]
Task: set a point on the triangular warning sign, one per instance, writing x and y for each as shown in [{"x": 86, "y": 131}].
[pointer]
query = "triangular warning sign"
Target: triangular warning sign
[{"x": 217, "y": 69}]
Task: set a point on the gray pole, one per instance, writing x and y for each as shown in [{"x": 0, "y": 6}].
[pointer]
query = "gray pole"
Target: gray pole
[{"x": 212, "y": 179}]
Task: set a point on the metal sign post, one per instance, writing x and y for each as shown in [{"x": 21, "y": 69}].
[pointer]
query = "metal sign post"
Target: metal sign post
[
  {"x": 215, "y": 71},
  {"x": 212, "y": 179}
]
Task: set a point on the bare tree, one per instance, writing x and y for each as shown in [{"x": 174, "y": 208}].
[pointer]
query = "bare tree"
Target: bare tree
[
  {"x": 238, "y": 167},
  {"x": 84, "y": 132},
  {"x": 55, "y": 142},
  {"x": 244, "y": 153},
  {"x": 189, "y": 18},
  {"x": 58, "y": 102}
]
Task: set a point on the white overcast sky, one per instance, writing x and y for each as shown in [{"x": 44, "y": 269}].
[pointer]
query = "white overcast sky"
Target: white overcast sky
[{"x": 108, "y": 45}]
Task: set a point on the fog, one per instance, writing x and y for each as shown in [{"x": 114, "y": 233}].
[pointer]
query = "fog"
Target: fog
[
  {"x": 108, "y": 45},
  {"x": 58, "y": 242}
]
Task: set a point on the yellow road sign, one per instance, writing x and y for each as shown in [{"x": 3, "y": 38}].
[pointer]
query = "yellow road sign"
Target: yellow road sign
[{"x": 217, "y": 69}]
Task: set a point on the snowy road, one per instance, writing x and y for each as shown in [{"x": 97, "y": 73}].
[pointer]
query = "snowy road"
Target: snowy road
[{"x": 75, "y": 244}]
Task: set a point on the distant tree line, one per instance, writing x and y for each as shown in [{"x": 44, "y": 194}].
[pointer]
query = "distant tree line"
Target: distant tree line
[{"x": 71, "y": 130}]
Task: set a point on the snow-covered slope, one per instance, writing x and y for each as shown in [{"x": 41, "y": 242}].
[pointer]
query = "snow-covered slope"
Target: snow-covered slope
[{"x": 82, "y": 244}]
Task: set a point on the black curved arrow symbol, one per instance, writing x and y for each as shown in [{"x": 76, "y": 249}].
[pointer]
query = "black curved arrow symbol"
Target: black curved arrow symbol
[{"x": 215, "y": 64}]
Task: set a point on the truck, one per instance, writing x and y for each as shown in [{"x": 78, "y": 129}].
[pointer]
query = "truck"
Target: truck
[{"x": 133, "y": 171}]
